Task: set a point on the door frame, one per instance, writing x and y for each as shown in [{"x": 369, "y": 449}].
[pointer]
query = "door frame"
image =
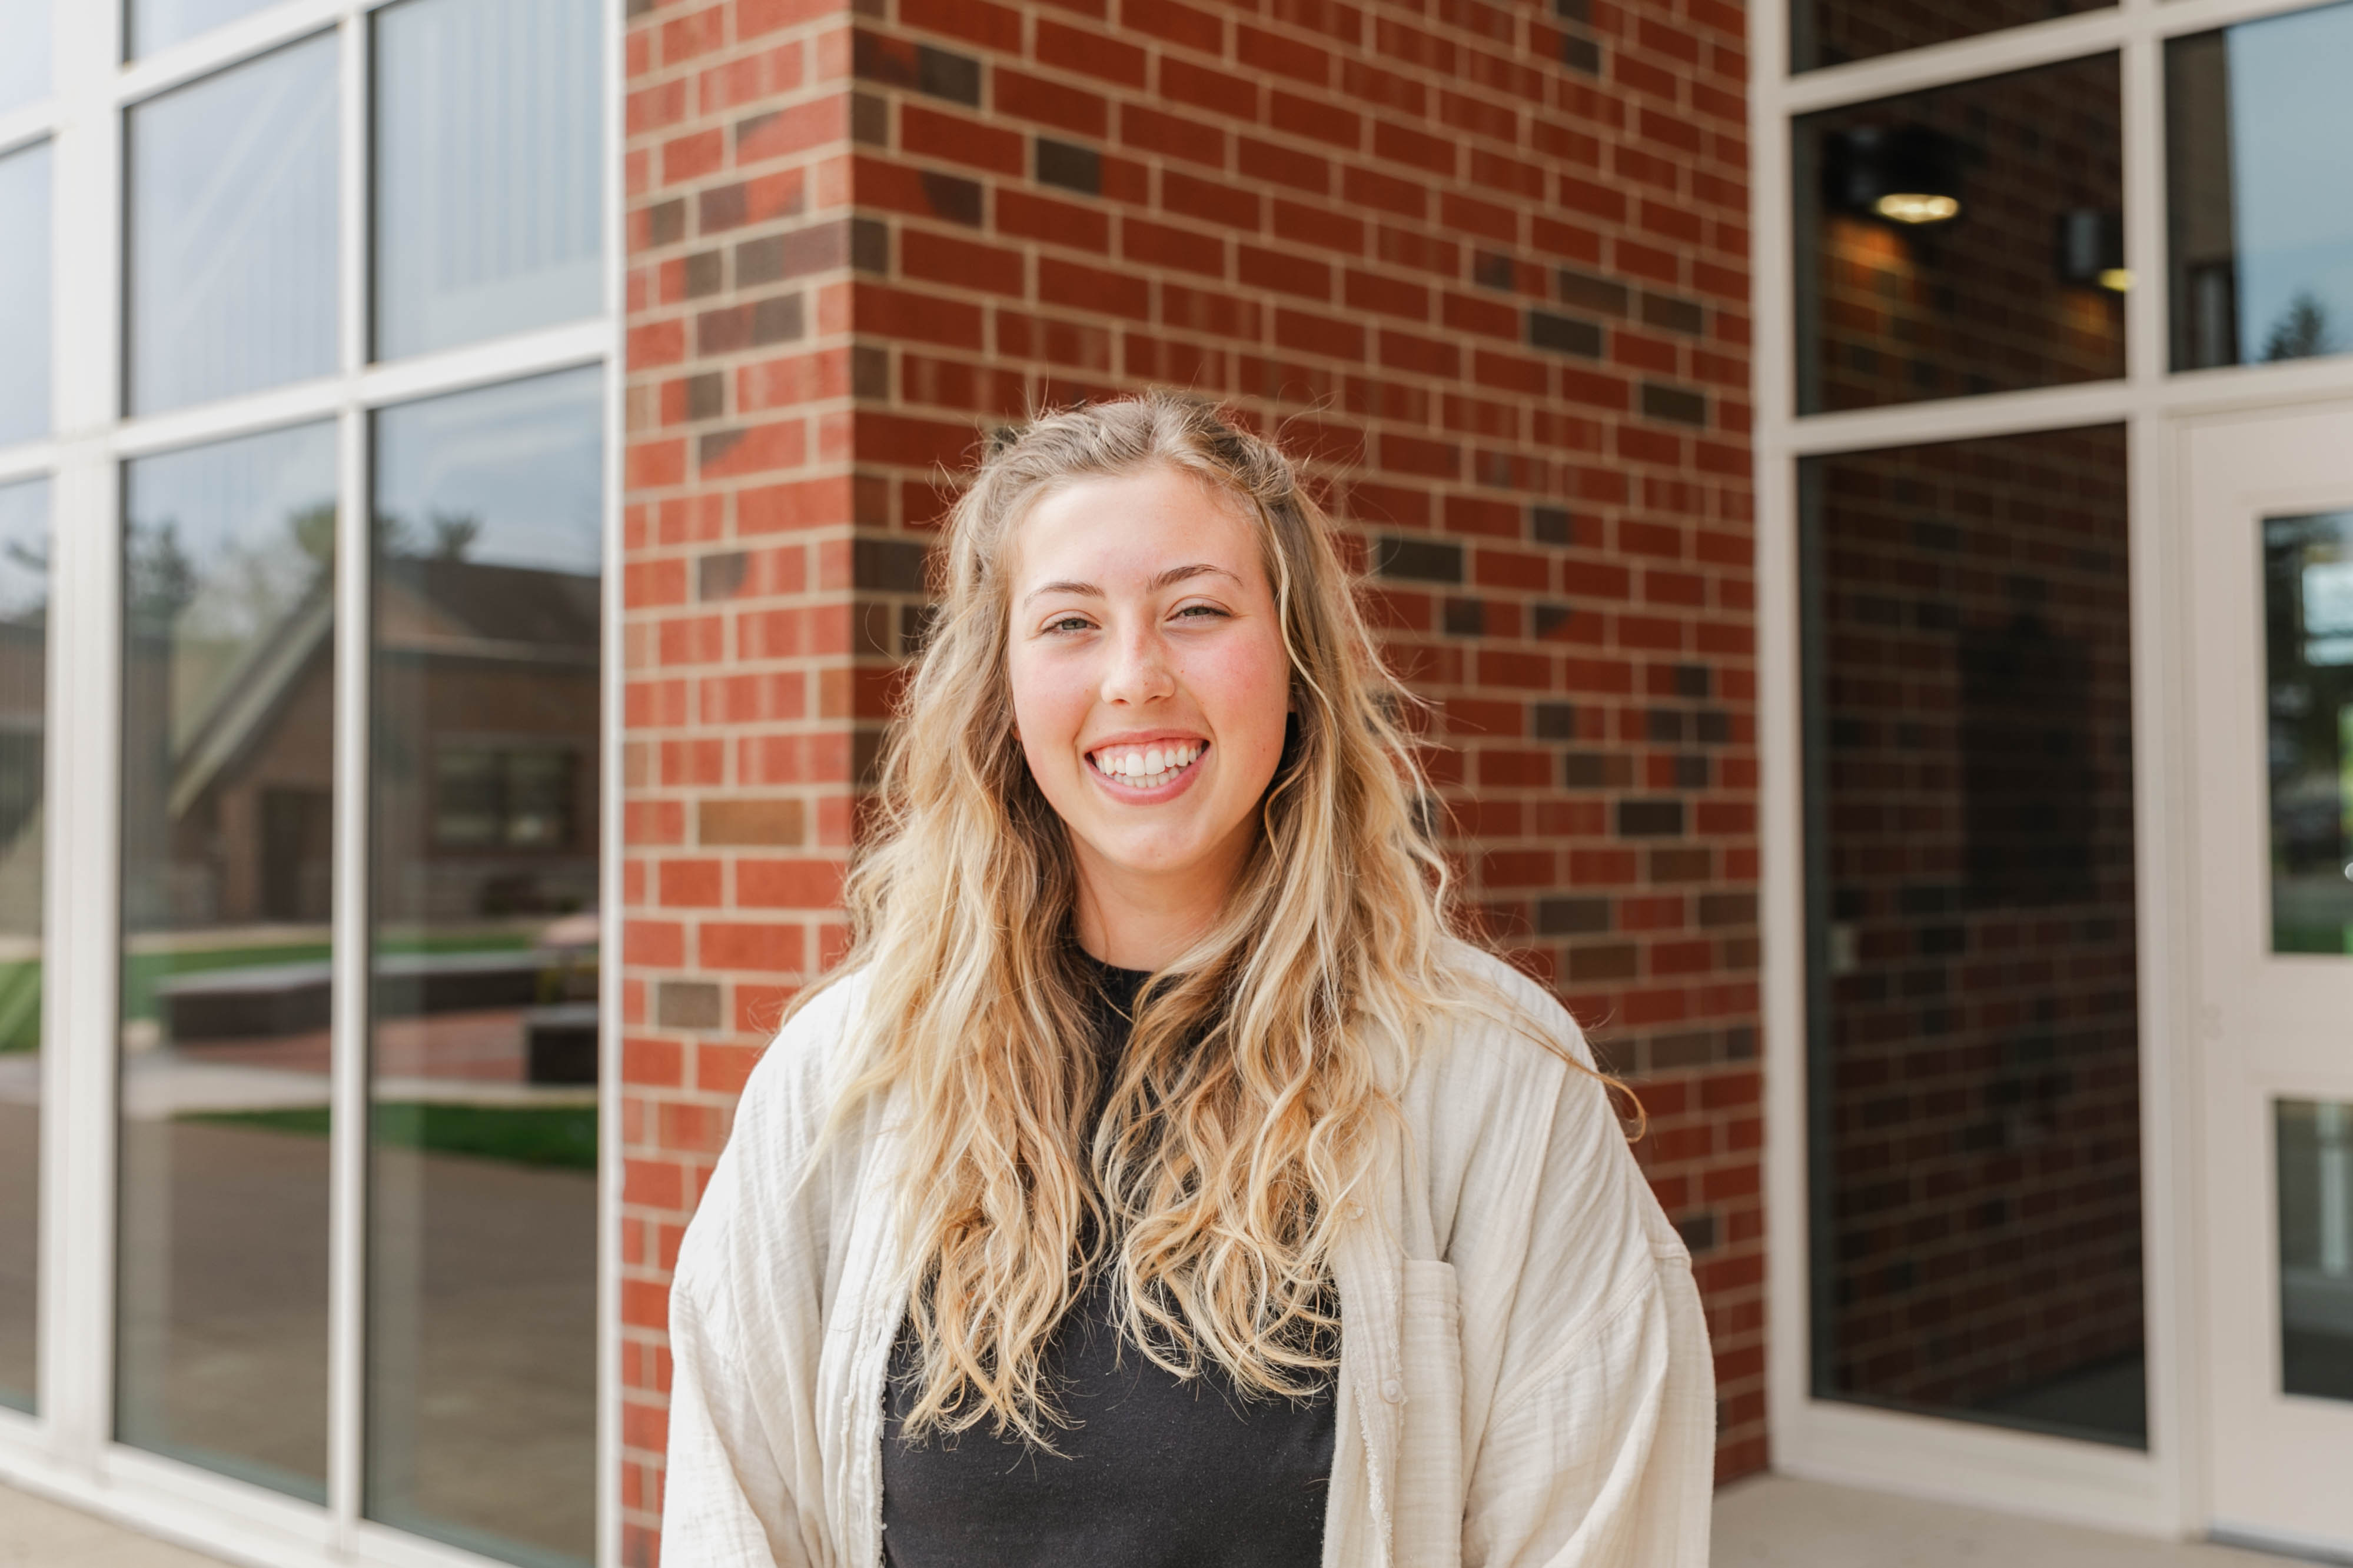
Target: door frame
[{"x": 2244, "y": 991}]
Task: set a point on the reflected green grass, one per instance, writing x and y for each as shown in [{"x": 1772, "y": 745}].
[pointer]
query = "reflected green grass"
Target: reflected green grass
[{"x": 560, "y": 1136}]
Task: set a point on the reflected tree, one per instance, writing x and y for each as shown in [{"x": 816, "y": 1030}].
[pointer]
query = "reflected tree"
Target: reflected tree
[{"x": 2302, "y": 330}]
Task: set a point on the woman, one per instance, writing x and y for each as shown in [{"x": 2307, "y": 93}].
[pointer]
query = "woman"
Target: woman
[{"x": 1163, "y": 1180}]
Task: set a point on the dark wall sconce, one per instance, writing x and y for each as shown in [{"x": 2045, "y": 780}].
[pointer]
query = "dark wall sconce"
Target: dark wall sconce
[
  {"x": 1905, "y": 174},
  {"x": 2091, "y": 250}
]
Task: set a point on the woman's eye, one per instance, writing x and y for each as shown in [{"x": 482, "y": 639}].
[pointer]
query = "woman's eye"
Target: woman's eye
[
  {"x": 1068, "y": 622},
  {"x": 1206, "y": 612}
]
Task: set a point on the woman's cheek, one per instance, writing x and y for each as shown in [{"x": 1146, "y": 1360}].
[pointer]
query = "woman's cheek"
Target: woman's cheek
[{"x": 1244, "y": 689}]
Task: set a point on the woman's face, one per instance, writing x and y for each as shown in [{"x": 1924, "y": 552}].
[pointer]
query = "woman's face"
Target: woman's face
[{"x": 1150, "y": 684}]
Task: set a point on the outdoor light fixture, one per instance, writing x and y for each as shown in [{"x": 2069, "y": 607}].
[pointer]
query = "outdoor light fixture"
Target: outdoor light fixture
[
  {"x": 1916, "y": 207},
  {"x": 2091, "y": 250},
  {"x": 1905, "y": 174}
]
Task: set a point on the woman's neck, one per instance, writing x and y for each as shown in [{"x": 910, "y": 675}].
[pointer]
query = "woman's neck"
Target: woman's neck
[{"x": 1141, "y": 921}]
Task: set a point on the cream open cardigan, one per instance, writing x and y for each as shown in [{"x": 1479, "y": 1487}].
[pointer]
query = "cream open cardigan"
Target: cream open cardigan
[{"x": 1524, "y": 1368}]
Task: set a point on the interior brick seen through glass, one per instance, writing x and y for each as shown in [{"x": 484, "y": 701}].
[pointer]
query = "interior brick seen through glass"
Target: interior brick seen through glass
[
  {"x": 1975, "y": 1231},
  {"x": 2021, "y": 286}
]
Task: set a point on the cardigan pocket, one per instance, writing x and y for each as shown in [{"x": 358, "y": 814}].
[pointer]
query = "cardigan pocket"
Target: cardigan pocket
[{"x": 1429, "y": 1525}]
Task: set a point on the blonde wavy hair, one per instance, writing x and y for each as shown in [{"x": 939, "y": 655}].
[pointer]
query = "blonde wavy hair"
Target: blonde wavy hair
[{"x": 1244, "y": 1116}]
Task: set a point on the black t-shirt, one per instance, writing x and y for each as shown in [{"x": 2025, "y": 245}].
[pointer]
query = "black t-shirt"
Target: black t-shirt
[{"x": 1156, "y": 1472}]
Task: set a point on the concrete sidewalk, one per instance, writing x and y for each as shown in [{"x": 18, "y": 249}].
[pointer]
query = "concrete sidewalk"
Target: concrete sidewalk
[
  {"x": 37, "y": 1533},
  {"x": 1768, "y": 1522},
  {"x": 1773, "y": 1521}
]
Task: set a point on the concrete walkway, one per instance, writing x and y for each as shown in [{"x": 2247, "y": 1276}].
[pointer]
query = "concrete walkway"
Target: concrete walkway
[
  {"x": 37, "y": 1533},
  {"x": 1772, "y": 1521},
  {"x": 1768, "y": 1523}
]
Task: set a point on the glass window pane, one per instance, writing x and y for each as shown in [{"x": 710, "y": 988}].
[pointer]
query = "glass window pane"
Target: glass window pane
[
  {"x": 228, "y": 797},
  {"x": 1962, "y": 241},
  {"x": 2261, "y": 199},
  {"x": 1974, "y": 1082},
  {"x": 489, "y": 159},
  {"x": 2315, "y": 1145},
  {"x": 2309, "y": 657},
  {"x": 159, "y": 24},
  {"x": 1832, "y": 32},
  {"x": 232, "y": 243},
  {"x": 24, "y": 63},
  {"x": 24, "y": 710},
  {"x": 25, "y": 294},
  {"x": 483, "y": 1271}
]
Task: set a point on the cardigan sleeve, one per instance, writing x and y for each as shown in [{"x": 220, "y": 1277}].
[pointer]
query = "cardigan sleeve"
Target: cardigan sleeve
[
  {"x": 726, "y": 1501},
  {"x": 1591, "y": 1427},
  {"x": 745, "y": 1480},
  {"x": 1607, "y": 1459}
]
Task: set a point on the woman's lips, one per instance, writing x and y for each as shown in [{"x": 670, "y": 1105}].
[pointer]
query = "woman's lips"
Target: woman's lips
[{"x": 1147, "y": 769}]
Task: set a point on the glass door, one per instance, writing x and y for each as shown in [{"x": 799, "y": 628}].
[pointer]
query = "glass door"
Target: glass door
[{"x": 2269, "y": 521}]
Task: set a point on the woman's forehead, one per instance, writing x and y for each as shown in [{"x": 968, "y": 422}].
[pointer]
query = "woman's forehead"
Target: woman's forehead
[{"x": 1127, "y": 530}]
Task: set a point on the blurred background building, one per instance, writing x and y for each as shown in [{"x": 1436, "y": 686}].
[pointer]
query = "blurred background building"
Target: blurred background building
[{"x": 1866, "y": 490}]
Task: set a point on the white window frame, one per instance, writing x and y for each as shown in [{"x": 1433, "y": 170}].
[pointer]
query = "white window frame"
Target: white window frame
[
  {"x": 2161, "y": 1491},
  {"x": 66, "y": 1450}
]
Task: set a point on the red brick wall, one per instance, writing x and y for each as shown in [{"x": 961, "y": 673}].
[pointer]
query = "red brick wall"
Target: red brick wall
[{"x": 1485, "y": 264}]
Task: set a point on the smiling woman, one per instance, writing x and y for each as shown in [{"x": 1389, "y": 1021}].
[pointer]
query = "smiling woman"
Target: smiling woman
[
  {"x": 1150, "y": 688},
  {"x": 1164, "y": 1179}
]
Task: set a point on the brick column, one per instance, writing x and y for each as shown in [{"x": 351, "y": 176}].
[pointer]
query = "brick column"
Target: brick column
[
  {"x": 738, "y": 636},
  {"x": 1485, "y": 263}
]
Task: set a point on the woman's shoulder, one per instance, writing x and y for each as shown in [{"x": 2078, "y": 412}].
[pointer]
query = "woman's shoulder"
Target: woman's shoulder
[
  {"x": 792, "y": 1087},
  {"x": 1503, "y": 1073},
  {"x": 766, "y": 1199},
  {"x": 1502, "y": 1027}
]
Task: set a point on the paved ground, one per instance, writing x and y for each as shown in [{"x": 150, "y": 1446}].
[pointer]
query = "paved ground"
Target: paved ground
[
  {"x": 36, "y": 1533},
  {"x": 1769, "y": 1522},
  {"x": 1772, "y": 1521}
]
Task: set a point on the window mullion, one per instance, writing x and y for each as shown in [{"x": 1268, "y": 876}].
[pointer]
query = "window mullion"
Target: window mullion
[
  {"x": 79, "y": 1089},
  {"x": 347, "y": 1342}
]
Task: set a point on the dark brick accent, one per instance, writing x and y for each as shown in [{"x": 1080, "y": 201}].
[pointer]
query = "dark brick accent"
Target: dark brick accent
[{"x": 1564, "y": 334}]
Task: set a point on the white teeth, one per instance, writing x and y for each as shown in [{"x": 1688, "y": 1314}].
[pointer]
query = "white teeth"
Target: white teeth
[{"x": 1148, "y": 767}]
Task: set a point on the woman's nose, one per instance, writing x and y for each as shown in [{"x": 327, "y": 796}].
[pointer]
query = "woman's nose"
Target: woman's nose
[{"x": 1138, "y": 670}]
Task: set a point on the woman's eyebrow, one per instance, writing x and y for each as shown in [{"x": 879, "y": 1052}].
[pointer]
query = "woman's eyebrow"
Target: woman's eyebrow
[{"x": 1173, "y": 575}]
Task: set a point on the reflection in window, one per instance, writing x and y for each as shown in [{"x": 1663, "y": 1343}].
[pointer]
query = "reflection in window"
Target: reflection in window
[
  {"x": 1974, "y": 1060},
  {"x": 489, "y": 169},
  {"x": 2308, "y": 664},
  {"x": 232, "y": 220},
  {"x": 2315, "y": 1145},
  {"x": 159, "y": 24},
  {"x": 481, "y": 1315},
  {"x": 24, "y": 292},
  {"x": 228, "y": 780},
  {"x": 24, "y": 63},
  {"x": 1832, "y": 32},
  {"x": 1962, "y": 241},
  {"x": 515, "y": 799},
  {"x": 2261, "y": 195},
  {"x": 24, "y": 708}
]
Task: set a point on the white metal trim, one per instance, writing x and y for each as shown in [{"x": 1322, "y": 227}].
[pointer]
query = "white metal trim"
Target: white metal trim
[
  {"x": 67, "y": 1451},
  {"x": 82, "y": 895},
  {"x": 348, "y": 1088},
  {"x": 28, "y": 460},
  {"x": 219, "y": 1516},
  {"x": 1944, "y": 65},
  {"x": 1963, "y": 1462},
  {"x": 231, "y": 44},
  {"x": 609, "y": 835},
  {"x": 1995, "y": 53},
  {"x": 2163, "y": 1489},
  {"x": 526, "y": 354},
  {"x": 22, "y": 128}
]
